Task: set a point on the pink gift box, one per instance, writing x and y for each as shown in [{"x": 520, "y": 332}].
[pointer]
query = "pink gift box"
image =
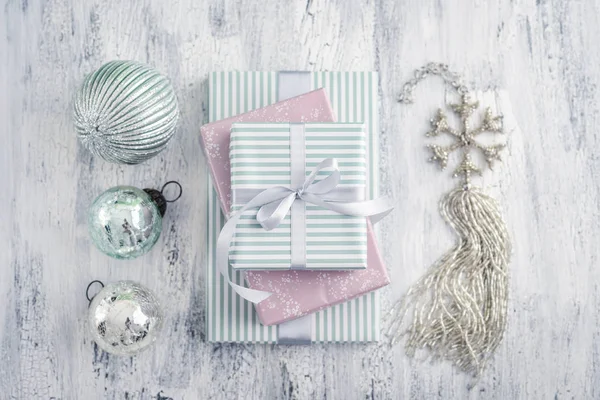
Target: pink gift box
[{"x": 295, "y": 293}]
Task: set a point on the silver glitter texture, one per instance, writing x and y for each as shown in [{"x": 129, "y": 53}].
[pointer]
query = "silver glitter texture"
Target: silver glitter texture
[
  {"x": 125, "y": 112},
  {"x": 124, "y": 318}
]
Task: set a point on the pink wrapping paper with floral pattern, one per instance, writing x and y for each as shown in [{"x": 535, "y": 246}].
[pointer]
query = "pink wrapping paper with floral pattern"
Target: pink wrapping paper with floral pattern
[
  {"x": 298, "y": 293},
  {"x": 295, "y": 293}
]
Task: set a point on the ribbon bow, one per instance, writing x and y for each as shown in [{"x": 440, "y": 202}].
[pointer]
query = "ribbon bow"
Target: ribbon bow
[{"x": 275, "y": 203}]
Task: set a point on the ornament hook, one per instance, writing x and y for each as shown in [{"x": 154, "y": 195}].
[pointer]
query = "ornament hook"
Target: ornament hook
[
  {"x": 159, "y": 199},
  {"x": 87, "y": 290},
  {"x": 180, "y": 191}
]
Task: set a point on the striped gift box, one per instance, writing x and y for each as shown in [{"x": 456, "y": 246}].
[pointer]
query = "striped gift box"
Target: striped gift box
[
  {"x": 260, "y": 158},
  {"x": 229, "y": 318}
]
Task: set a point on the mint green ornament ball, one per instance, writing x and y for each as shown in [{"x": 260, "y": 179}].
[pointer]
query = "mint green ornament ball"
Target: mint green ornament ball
[{"x": 125, "y": 222}]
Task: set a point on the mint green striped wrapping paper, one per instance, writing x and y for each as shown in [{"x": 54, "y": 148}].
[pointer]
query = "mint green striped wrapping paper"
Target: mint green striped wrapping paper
[
  {"x": 260, "y": 157},
  {"x": 229, "y": 318}
]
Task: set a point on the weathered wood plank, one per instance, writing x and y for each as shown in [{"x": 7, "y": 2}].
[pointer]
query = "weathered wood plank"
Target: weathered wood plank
[{"x": 542, "y": 59}]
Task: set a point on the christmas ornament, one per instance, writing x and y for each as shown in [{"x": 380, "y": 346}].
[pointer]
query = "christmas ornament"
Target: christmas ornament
[
  {"x": 125, "y": 112},
  {"x": 125, "y": 222},
  {"x": 459, "y": 307},
  {"x": 124, "y": 317}
]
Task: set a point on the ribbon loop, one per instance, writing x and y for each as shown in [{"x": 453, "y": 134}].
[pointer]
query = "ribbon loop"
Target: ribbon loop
[
  {"x": 326, "y": 184},
  {"x": 275, "y": 203},
  {"x": 271, "y": 215}
]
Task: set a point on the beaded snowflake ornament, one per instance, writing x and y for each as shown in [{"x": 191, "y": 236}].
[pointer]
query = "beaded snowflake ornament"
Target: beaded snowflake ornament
[{"x": 459, "y": 308}]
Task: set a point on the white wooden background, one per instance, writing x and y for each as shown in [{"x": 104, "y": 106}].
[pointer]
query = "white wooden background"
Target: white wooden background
[{"x": 542, "y": 57}]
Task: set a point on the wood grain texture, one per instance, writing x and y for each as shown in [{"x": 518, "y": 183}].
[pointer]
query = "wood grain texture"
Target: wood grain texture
[{"x": 537, "y": 61}]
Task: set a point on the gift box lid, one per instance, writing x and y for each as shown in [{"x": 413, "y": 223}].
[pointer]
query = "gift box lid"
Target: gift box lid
[{"x": 261, "y": 153}]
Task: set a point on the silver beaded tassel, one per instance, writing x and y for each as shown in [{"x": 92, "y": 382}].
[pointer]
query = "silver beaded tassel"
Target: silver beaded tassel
[{"x": 459, "y": 308}]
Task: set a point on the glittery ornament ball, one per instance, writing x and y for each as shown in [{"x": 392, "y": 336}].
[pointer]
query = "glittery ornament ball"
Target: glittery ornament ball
[
  {"x": 125, "y": 112},
  {"x": 124, "y": 318},
  {"x": 124, "y": 222}
]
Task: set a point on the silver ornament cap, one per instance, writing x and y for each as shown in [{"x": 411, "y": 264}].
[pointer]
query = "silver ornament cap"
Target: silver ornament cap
[
  {"x": 124, "y": 318},
  {"x": 125, "y": 112}
]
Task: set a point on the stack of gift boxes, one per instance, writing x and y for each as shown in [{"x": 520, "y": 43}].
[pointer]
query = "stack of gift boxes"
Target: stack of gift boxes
[{"x": 251, "y": 144}]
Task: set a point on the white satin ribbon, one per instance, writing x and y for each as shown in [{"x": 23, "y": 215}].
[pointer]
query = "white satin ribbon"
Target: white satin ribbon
[{"x": 275, "y": 203}]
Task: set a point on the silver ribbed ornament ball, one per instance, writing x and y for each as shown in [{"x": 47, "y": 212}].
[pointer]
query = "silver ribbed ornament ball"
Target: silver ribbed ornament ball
[
  {"x": 125, "y": 112},
  {"x": 124, "y": 318}
]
